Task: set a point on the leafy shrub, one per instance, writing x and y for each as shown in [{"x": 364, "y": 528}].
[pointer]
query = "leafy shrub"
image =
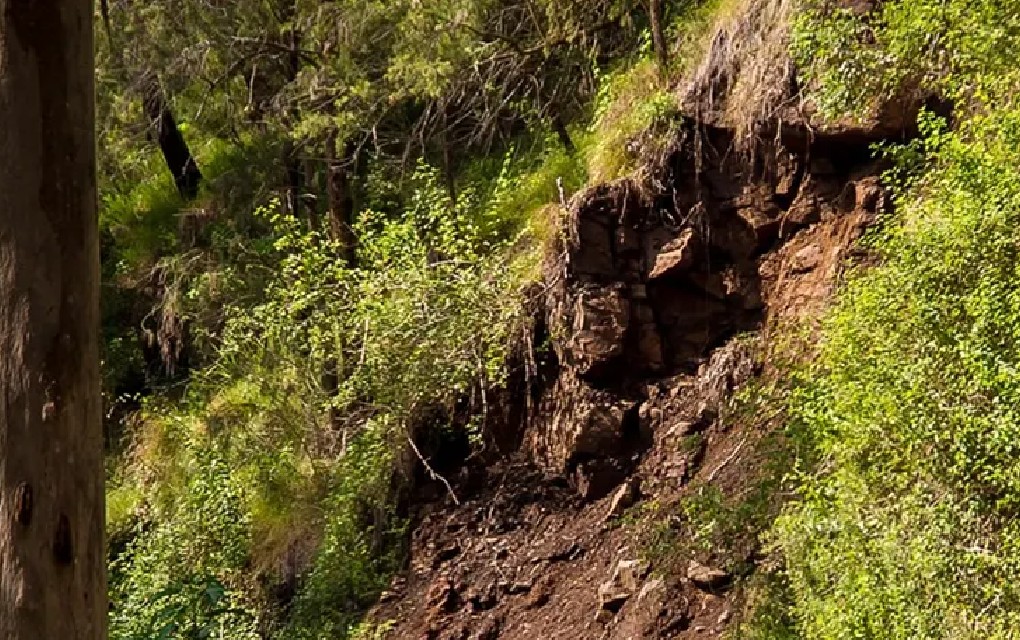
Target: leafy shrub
[
  {"x": 905, "y": 523},
  {"x": 422, "y": 320},
  {"x": 167, "y": 584}
]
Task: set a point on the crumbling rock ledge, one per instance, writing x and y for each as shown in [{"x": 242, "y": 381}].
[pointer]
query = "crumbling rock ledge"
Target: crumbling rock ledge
[{"x": 645, "y": 286}]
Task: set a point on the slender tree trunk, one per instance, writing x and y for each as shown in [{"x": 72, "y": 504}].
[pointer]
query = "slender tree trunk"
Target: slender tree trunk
[
  {"x": 296, "y": 175},
  {"x": 341, "y": 229},
  {"x": 311, "y": 200},
  {"x": 341, "y": 201},
  {"x": 295, "y": 179},
  {"x": 52, "y": 561},
  {"x": 171, "y": 141},
  {"x": 448, "y": 167},
  {"x": 658, "y": 33}
]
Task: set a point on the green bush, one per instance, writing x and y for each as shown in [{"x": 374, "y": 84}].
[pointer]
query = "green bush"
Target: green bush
[
  {"x": 169, "y": 582},
  {"x": 909, "y": 483},
  {"x": 911, "y": 411}
]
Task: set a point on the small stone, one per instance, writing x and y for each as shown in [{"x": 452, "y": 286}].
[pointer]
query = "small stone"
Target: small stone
[
  {"x": 629, "y": 574},
  {"x": 649, "y": 587},
  {"x": 612, "y": 596},
  {"x": 518, "y": 588},
  {"x": 807, "y": 259},
  {"x": 537, "y": 598},
  {"x": 571, "y": 552},
  {"x": 707, "y": 577},
  {"x": 625, "y": 497},
  {"x": 681, "y": 428},
  {"x": 447, "y": 553},
  {"x": 764, "y": 226}
]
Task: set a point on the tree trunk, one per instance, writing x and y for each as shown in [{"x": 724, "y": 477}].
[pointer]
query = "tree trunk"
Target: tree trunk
[
  {"x": 295, "y": 178},
  {"x": 448, "y": 168},
  {"x": 171, "y": 141},
  {"x": 341, "y": 201},
  {"x": 658, "y": 33},
  {"x": 341, "y": 229},
  {"x": 52, "y": 561}
]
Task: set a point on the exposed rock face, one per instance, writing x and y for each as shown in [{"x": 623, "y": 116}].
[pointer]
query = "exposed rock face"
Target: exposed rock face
[{"x": 646, "y": 286}]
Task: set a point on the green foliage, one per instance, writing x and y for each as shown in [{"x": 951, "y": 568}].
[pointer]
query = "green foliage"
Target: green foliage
[
  {"x": 357, "y": 554},
  {"x": 903, "y": 50},
  {"x": 421, "y": 320},
  {"x": 169, "y": 582},
  {"x": 905, "y": 524},
  {"x": 766, "y": 608},
  {"x": 911, "y": 410}
]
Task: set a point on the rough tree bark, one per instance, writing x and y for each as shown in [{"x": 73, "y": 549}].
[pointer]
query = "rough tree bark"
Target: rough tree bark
[{"x": 52, "y": 562}]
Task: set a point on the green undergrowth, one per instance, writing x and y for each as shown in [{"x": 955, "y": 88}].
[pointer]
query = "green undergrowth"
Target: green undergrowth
[
  {"x": 422, "y": 321},
  {"x": 907, "y": 510},
  {"x": 905, "y": 523}
]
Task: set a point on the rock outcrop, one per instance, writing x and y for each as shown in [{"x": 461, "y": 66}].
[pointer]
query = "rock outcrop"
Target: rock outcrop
[
  {"x": 654, "y": 308},
  {"x": 648, "y": 285}
]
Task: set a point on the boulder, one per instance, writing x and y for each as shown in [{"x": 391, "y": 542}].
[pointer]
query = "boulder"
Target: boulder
[{"x": 676, "y": 256}]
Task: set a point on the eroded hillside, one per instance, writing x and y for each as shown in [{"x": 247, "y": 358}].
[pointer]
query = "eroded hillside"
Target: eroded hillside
[{"x": 636, "y": 464}]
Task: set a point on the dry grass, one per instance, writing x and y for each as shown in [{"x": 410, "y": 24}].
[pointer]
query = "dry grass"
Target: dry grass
[{"x": 745, "y": 79}]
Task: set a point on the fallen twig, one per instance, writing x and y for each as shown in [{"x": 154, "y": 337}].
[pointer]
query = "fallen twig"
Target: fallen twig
[{"x": 432, "y": 472}]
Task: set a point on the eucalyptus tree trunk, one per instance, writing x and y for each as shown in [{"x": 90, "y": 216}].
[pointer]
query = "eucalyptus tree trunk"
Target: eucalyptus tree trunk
[{"x": 52, "y": 561}]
